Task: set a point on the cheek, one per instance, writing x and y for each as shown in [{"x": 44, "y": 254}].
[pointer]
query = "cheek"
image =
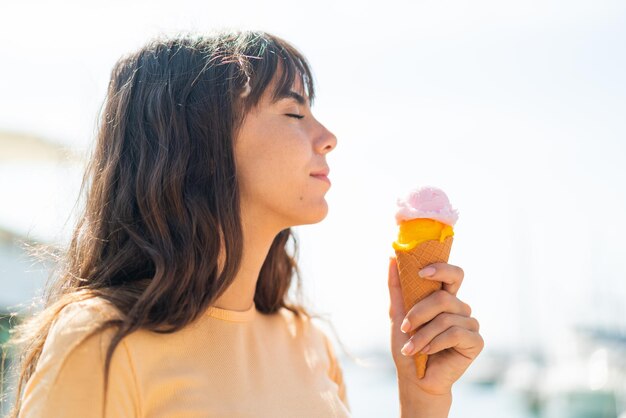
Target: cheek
[
  {"x": 273, "y": 161},
  {"x": 283, "y": 159},
  {"x": 267, "y": 172}
]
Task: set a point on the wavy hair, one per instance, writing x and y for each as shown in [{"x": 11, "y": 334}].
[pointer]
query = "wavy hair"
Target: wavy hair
[{"x": 161, "y": 198}]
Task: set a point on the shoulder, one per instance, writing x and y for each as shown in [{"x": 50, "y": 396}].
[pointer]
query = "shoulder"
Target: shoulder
[
  {"x": 301, "y": 324},
  {"x": 308, "y": 328},
  {"x": 83, "y": 316},
  {"x": 88, "y": 311},
  {"x": 319, "y": 340},
  {"x": 75, "y": 324},
  {"x": 69, "y": 376}
]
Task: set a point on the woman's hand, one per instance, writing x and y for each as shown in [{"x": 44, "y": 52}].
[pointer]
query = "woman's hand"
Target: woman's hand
[{"x": 444, "y": 326}]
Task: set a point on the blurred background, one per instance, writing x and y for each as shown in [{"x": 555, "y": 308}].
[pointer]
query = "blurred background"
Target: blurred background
[{"x": 515, "y": 108}]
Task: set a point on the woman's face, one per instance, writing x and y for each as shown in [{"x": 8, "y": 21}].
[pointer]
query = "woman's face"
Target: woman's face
[{"x": 277, "y": 149}]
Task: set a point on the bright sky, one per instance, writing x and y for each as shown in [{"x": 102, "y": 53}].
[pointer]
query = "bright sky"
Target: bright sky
[{"x": 515, "y": 109}]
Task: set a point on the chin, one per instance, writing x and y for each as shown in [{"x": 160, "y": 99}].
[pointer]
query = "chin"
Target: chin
[{"x": 312, "y": 216}]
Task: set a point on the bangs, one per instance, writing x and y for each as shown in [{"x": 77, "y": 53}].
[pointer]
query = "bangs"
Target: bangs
[{"x": 262, "y": 58}]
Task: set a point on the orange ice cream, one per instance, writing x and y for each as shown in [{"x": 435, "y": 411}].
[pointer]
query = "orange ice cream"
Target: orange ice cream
[{"x": 416, "y": 231}]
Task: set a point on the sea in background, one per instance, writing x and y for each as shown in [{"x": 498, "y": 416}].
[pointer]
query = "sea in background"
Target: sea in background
[{"x": 373, "y": 393}]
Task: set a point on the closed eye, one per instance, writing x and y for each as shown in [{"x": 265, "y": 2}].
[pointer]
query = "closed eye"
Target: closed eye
[{"x": 293, "y": 115}]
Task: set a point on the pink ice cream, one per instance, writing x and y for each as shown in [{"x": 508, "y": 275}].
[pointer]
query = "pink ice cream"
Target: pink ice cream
[{"x": 426, "y": 202}]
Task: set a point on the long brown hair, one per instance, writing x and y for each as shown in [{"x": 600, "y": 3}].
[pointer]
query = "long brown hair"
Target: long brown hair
[{"x": 161, "y": 193}]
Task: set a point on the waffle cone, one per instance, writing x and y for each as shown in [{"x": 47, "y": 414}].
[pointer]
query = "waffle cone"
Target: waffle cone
[{"x": 414, "y": 288}]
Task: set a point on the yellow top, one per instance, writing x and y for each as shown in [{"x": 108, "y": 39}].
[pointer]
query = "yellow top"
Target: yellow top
[
  {"x": 415, "y": 231},
  {"x": 225, "y": 364}
]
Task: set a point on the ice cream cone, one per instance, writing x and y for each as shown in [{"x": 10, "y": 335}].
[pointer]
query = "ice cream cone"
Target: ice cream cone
[
  {"x": 426, "y": 229},
  {"x": 414, "y": 288}
]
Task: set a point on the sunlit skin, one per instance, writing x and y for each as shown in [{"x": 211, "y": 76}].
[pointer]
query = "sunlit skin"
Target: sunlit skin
[
  {"x": 445, "y": 325},
  {"x": 278, "y": 147}
]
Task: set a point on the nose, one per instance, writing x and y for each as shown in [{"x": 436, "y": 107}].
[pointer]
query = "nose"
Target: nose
[{"x": 326, "y": 142}]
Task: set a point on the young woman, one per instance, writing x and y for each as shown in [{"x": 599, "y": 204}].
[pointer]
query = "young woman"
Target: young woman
[{"x": 172, "y": 300}]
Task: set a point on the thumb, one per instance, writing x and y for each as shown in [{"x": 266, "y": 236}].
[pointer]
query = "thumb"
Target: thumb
[
  {"x": 397, "y": 314},
  {"x": 396, "y": 306}
]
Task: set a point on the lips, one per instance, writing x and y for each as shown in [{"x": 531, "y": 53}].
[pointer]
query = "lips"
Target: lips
[
  {"x": 323, "y": 172},
  {"x": 322, "y": 175}
]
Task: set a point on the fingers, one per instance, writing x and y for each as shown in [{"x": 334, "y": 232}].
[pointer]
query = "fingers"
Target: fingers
[
  {"x": 451, "y": 276},
  {"x": 431, "y": 306},
  {"x": 444, "y": 321},
  {"x": 466, "y": 342}
]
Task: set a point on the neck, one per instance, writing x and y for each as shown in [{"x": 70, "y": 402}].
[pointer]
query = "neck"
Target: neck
[{"x": 257, "y": 239}]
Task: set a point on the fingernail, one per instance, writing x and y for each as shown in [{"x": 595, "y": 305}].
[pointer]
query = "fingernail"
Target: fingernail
[
  {"x": 428, "y": 271},
  {"x": 408, "y": 347},
  {"x": 406, "y": 326}
]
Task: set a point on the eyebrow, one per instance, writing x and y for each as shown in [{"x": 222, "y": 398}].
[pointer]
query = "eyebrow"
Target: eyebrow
[{"x": 292, "y": 95}]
